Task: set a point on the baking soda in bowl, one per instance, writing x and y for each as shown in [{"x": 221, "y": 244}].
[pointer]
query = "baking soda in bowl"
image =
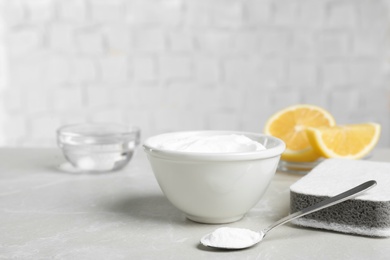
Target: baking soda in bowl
[{"x": 232, "y": 143}]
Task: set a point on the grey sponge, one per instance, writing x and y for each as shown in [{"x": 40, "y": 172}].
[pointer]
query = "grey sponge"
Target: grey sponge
[{"x": 368, "y": 214}]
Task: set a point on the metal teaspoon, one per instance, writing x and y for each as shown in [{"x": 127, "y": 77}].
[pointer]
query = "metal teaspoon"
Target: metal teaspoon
[{"x": 206, "y": 241}]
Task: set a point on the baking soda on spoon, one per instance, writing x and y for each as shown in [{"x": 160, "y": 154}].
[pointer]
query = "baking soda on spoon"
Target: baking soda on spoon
[{"x": 226, "y": 237}]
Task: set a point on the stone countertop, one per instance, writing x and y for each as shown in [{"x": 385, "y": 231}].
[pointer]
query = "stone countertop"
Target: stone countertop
[{"x": 49, "y": 214}]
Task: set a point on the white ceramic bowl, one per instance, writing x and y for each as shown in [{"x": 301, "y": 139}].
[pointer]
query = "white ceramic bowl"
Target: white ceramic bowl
[{"x": 214, "y": 187}]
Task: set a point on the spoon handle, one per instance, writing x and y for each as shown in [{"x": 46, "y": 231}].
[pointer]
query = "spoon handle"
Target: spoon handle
[{"x": 324, "y": 204}]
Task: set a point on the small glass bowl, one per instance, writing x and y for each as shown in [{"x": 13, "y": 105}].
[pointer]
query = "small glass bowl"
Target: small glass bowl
[{"x": 98, "y": 147}]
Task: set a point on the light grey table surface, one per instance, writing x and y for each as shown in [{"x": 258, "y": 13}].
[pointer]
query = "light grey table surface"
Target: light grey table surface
[{"x": 49, "y": 214}]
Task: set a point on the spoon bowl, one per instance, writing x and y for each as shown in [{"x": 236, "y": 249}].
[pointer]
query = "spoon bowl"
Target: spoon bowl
[{"x": 238, "y": 238}]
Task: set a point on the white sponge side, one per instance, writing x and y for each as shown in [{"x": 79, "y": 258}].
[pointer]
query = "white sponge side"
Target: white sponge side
[
  {"x": 358, "y": 230},
  {"x": 334, "y": 176}
]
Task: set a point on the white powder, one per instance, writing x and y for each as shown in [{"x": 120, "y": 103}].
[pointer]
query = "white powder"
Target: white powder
[
  {"x": 226, "y": 237},
  {"x": 211, "y": 144}
]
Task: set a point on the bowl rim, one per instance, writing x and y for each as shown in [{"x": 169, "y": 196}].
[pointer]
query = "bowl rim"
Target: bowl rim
[
  {"x": 232, "y": 156},
  {"x": 66, "y": 130}
]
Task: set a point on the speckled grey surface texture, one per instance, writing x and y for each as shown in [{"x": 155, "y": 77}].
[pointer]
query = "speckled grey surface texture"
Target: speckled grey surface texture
[{"x": 361, "y": 217}]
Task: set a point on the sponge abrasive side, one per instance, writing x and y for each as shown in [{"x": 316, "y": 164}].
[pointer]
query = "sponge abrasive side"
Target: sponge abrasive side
[{"x": 367, "y": 214}]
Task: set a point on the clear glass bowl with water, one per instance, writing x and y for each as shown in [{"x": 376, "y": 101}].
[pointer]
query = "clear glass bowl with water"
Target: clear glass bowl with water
[{"x": 98, "y": 147}]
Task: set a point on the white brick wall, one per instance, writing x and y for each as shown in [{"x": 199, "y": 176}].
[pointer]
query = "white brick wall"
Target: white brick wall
[{"x": 168, "y": 65}]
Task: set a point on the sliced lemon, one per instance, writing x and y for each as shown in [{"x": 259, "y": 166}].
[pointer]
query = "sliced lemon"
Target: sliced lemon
[
  {"x": 352, "y": 141},
  {"x": 290, "y": 125}
]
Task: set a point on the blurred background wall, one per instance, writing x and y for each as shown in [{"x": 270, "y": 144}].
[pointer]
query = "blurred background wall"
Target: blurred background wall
[{"x": 168, "y": 65}]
